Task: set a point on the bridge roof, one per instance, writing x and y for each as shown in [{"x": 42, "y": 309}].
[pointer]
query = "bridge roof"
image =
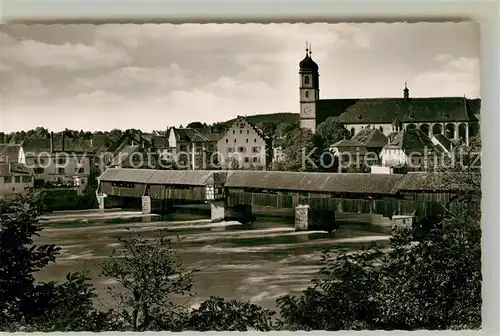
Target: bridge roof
[
  {"x": 181, "y": 177},
  {"x": 150, "y": 176},
  {"x": 127, "y": 175},
  {"x": 315, "y": 182},
  {"x": 436, "y": 181}
]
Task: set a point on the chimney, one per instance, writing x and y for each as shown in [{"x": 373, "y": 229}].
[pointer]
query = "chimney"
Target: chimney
[{"x": 51, "y": 142}]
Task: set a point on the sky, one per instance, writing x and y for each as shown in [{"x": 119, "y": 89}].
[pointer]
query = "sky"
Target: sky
[{"x": 153, "y": 76}]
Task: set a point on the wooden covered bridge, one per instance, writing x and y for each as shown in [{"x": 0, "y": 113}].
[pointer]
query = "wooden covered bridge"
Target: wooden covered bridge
[{"x": 316, "y": 197}]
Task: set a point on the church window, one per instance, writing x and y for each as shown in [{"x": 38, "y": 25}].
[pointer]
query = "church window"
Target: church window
[
  {"x": 306, "y": 80},
  {"x": 235, "y": 140},
  {"x": 241, "y": 131},
  {"x": 227, "y": 140},
  {"x": 247, "y": 140},
  {"x": 307, "y": 94},
  {"x": 233, "y": 131}
]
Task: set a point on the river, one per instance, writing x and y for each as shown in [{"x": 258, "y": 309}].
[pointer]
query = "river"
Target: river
[{"x": 259, "y": 263}]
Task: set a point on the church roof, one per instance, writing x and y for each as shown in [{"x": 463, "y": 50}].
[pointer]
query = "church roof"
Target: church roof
[
  {"x": 371, "y": 138},
  {"x": 385, "y": 110}
]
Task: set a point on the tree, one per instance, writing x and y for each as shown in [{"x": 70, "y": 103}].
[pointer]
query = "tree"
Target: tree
[
  {"x": 38, "y": 306},
  {"x": 195, "y": 124},
  {"x": 332, "y": 131},
  {"x": 429, "y": 278},
  {"x": 302, "y": 149},
  {"x": 216, "y": 314},
  {"x": 149, "y": 275}
]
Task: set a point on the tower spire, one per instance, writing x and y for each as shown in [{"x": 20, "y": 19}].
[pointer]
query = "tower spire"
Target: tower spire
[
  {"x": 310, "y": 49},
  {"x": 307, "y": 47},
  {"x": 406, "y": 92}
]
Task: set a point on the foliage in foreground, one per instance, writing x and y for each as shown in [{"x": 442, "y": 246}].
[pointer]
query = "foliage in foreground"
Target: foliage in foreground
[{"x": 430, "y": 278}]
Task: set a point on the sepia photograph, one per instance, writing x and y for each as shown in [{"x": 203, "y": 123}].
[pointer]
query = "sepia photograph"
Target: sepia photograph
[{"x": 240, "y": 177}]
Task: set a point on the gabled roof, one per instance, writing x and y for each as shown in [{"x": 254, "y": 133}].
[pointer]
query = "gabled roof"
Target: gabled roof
[
  {"x": 123, "y": 155},
  {"x": 443, "y": 142},
  {"x": 196, "y": 134},
  {"x": 385, "y": 110},
  {"x": 255, "y": 128},
  {"x": 348, "y": 143},
  {"x": 6, "y": 169},
  {"x": 371, "y": 138},
  {"x": 412, "y": 141},
  {"x": 9, "y": 152}
]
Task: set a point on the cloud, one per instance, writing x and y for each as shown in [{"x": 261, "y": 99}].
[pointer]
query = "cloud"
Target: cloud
[
  {"x": 68, "y": 57},
  {"x": 152, "y": 76},
  {"x": 455, "y": 77},
  {"x": 442, "y": 58}
]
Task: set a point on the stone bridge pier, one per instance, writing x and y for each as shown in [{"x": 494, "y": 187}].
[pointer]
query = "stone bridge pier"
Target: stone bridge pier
[
  {"x": 309, "y": 218},
  {"x": 221, "y": 211}
]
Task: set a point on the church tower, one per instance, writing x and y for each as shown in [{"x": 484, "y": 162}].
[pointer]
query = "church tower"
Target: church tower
[{"x": 309, "y": 90}]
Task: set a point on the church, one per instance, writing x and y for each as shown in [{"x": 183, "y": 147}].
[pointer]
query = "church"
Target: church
[{"x": 454, "y": 117}]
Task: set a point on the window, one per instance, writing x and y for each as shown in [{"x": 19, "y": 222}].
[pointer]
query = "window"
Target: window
[
  {"x": 227, "y": 140},
  {"x": 255, "y": 159},
  {"x": 183, "y": 148},
  {"x": 247, "y": 140},
  {"x": 241, "y": 132},
  {"x": 381, "y": 129},
  {"x": 307, "y": 94},
  {"x": 242, "y": 125},
  {"x": 234, "y": 140},
  {"x": 80, "y": 170},
  {"x": 38, "y": 170},
  {"x": 247, "y": 159},
  {"x": 1, "y": 179},
  {"x": 254, "y": 140},
  {"x": 26, "y": 179},
  {"x": 7, "y": 179},
  {"x": 241, "y": 149},
  {"x": 306, "y": 80},
  {"x": 248, "y": 132},
  {"x": 62, "y": 160},
  {"x": 230, "y": 149},
  {"x": 60, "y": 170},
  {"x": 41, "y": 160},
  {"x": 234, "y": 131},
  {"x": 17, "y": 179},
  {"x": 82, "y": 181},
  {"x": 255, "y": 149}
]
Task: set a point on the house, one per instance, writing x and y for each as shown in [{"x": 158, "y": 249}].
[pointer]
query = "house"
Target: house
[
  {"x": 59, "y": 161},
  {"x": 192, "y": 148},
  {"x": 455, "y": 117},
  {"x": 245, "y": 146},
  {"x": 372, "y": 138},
  {"x": 350, "y": 155},
  {"x": 15, "y": 178},
  {"x": 278, "y": 149},
  {"x": 134, "y": 156},
  {"x": 410, "y": 149}
]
